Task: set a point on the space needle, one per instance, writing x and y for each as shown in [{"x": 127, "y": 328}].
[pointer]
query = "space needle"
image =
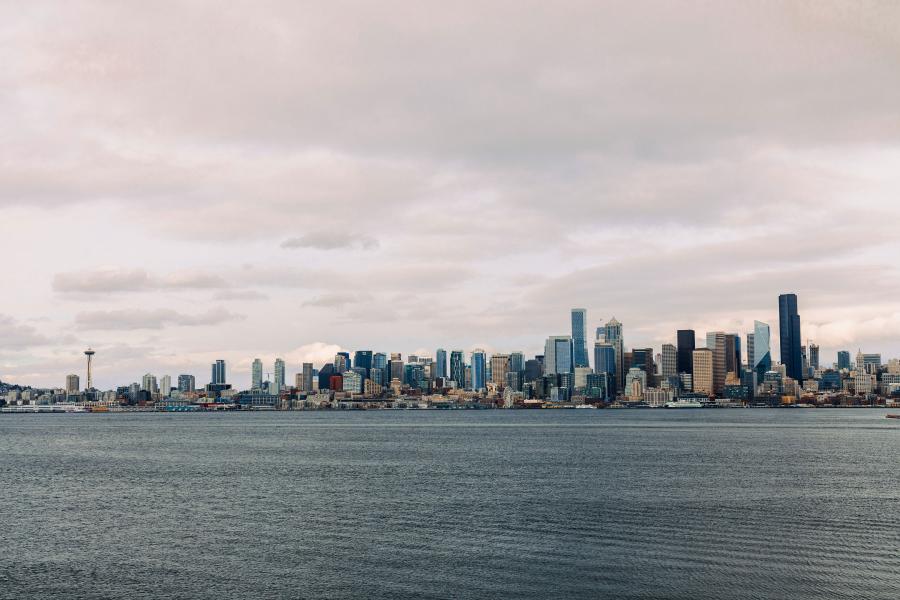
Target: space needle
[{"x": 90, "y": 356}]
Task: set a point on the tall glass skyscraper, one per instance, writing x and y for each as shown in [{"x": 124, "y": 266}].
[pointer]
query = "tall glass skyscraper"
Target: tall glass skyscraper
[
  {"x": 458, "y": 368},
  {"x": 478, "y": 369},
  {"x": 789, "y": 334},
  {"x": 605, "y": 362},
  {"x": 363, "y": 360},
  {"x": 558, "y": 355},
  {"x": 843, "y": 359},
  {"x": 440, "y": 363},
  {"x": 687, "y": 343},
  {"x": 579, "y": 333},
  {"x": 761, "y": 361},
  {"x": 218, "y": 372},
  {"x": 612, "y": 332}
]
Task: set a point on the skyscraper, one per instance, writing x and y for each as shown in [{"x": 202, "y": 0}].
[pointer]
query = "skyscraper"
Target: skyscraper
[
  {"x": 341, "y": 361},
  {"x": 612, "y": 332},
  {"x": 732, "y": 353},
  {"x": 363, "y": 359},
  {"x": 73, "y": 385},
  {"x": 715, "y": 341},
  {"x": 579, "y": 333},
  {"x": 516, "y": 362},
  {"x": 702, "y": 375},
  {"x": 558, "y": 355},
  {"x": 256, "y": 375},
  {"x": 789, "y": 334},
  {"x": 843, "y": 359},
  {"x": 278, "y": 384},
  {"x": 458, "y": 368},
  {"x": 762, "y": 356},
  {"x": 605, "y": 362},
  {"x": 440, "y": 363},
  {"x": 499, "y": 368},
  {"x": 165, "y": 385},
  {"x": 306, "y": 380},
  {"x": 218, "y": 372},
  {"x": 478, "y": 369},
  {"x": 686, "y": 345},
  {"x": 814, "y": 355},
  {"x": 669, "y": 366},
  {"x": 186, "y": 383}
]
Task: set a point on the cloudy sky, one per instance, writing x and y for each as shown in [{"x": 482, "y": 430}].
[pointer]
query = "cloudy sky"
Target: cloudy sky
[{"x": 185, "y": 181}]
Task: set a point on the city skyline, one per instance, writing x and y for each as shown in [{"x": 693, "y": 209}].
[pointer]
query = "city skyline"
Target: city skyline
[
  {"x": 462, "y": 174},
  {"x": 560, "y": 355}
]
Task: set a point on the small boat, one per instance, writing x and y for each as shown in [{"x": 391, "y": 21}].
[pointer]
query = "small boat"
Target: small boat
[{"x": 892, "y": 416}]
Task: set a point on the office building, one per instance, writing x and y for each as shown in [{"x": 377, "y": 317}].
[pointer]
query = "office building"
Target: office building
[
  {"x": 605, "y": 362},
  {"x": 458, "y": 368},
  {"x": 715, "y": 341},
  {"x": 703, "y": 371},
  {"x": 306, "y": 377},
  {"x": 73, "y": 384},
  {"x": 186, "y": 383},
  {"x": 364, "y": 360},
  {"x": 218, "y": 372},
  {"x": 686, "y": 341},
  {"x": 478, "y": 369},
  {"x": 278, "y": 383},
  {"x": 761, "y": 359},
  {"x": 579, "y": 335},
  {"x": 558, "y": 355},
  {"x": 789, "y": 336},
  {"x": 814, "y": 356},
  {"x": 499, "y": 368},
  {"x": 843, "y": 359},
  {"x": 256, "y": 375},
  {"x": 165, "y": 385},
  {"x": 668, "y": 361},
  {"x": 440, "y": 363}
]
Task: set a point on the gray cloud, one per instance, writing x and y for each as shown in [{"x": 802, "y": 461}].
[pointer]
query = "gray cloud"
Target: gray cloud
[
  {"x": 469, "y": 171},
  {"x": 323, "y": 240},
  {"x": 132, "y": 319},
  {"x": 100, "y": 281},
  {"x": 18, "y": 336}
]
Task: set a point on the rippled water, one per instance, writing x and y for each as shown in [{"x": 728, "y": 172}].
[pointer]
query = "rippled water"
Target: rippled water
[{"x": 461, "y": 504}]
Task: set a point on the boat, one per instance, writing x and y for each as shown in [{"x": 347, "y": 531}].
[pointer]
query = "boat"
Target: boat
[
  {"x": 683, "y": 404},
  {"x": 585, "y": 406},
  {"x": 892, "y": 416}
]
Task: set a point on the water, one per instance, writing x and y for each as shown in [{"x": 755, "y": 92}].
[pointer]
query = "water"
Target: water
[{"x": 462, "y": 504}]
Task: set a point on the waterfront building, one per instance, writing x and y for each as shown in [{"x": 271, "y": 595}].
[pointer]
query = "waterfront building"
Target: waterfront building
[
  {"x": 789, "y": 334},
  {"x": 579, "y": 335},
  {"x": 558, "y": 355},
  {"x": 686, "y": 341},
  {"x": 703, "y": 371},
  {"x": 256, "y": 375},
  {"x": 668, "y": 361}
]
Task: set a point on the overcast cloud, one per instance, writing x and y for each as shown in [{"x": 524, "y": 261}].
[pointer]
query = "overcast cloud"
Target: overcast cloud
[{"x": 193, "y": 180}]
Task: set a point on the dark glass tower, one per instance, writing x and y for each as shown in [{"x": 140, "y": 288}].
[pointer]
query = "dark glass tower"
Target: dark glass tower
[
  {"x": 686, "y": 346},
  {"x": 789, "y": 334}
]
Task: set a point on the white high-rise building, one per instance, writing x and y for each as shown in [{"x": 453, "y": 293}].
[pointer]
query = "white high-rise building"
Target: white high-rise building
[
  {"x": 278, "y": 384},
  {"x": 148, "y": 384},
  {"x": 165, "y": 385},
  {"x": 256, "y": 375},
  {"x": 669, "y": 361}
]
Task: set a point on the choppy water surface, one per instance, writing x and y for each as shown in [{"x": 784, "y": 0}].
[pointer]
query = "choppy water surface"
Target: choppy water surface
[{"x": 462, "y": 504}]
